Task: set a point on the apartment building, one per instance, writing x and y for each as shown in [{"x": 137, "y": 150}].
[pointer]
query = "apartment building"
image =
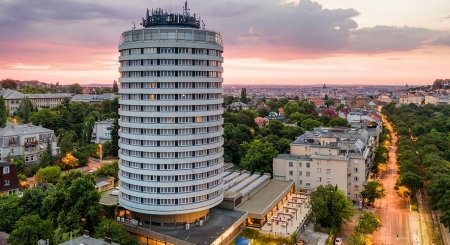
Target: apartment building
[
  {"x": 337, "y": 156},
  {"x": 13, "y": 98},
  {"x": 25, "y": 140},
  {"x": 412, "y": 99}
]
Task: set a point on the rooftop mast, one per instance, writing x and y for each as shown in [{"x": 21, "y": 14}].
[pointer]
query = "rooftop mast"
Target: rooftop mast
[{"x": 186, "y": 8}]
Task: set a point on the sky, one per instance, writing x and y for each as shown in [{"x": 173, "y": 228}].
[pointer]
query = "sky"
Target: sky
[{"x": 266, "y": 41}]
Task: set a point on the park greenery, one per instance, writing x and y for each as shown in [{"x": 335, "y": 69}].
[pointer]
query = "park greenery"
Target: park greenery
[
  {"x": 65, "y": 203},
  {"x": 252, "y": 147},
  {"x": 73, "y": 124},
  {"x": 423, "y": 151}
]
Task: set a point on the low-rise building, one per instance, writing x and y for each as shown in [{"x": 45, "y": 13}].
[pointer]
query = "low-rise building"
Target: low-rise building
[
  {"x": 237, "y": 106},
  {"x": 26, "y": 140},
  {"x": 437, "y": 99},
  {"x": 337, "y": 156},
  {"x": 102, "y": 131},
  {"x": 412, "y": 99},
  {"x": 93, "y": 98},
  {"x": 359, "y": 116},
  {"x": 9, "y": 182},
  {"x": 47, "y": 100}
]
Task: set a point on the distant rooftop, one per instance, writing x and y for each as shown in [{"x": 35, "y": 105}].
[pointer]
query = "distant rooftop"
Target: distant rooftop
[
  {"x": 160, "y": 17},
  {"x": 22, "y": 129}
]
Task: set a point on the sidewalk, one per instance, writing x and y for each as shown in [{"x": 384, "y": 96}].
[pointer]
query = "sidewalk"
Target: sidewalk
[{"x": 414, "y": 228}]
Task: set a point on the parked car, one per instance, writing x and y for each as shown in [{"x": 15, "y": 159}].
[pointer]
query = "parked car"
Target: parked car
[{"x": 338, "y": 241}]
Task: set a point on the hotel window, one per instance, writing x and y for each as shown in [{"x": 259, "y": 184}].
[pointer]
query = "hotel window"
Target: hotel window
[
  {"x": 6, "y": 170},
  {"x": 291, "y": 164},
  {"x": 356, "y": 170},
  {"x": 300, "y": 182},
  {"x": 291, "y": 173},
  {"x": 300, "y": 173},
  {"x": 307, "y": 174},
  {"x": 319, "y": 170},
  {"x": 299, "y": 164},
  {"x": 152, "y": 96},
  {"x": 308, "y": 164},
  {"x": 319, "y": 179},
  {"x": 308, "y": 184},
  {"x": 328, "y": 171},
  {"x": 356, "y": 178},
  {"x": 6, "y": 182}
]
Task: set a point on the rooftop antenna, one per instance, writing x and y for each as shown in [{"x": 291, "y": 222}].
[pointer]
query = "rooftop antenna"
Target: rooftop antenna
[
  {"x": 134, "y": 25},
  {"x": 186, "y": 8},
  {"x": 203, "y": 25}
]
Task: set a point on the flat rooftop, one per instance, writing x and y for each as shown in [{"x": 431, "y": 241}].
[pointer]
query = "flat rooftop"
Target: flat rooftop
[
  {"x": 86, "y": 240},
  {"x": 218, "y": 222},
  {"x": 108, "y": 199},
  {"x": 266, "y": 198}
]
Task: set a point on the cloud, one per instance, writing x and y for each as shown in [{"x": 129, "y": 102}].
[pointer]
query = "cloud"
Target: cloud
[
  {"x": 73, "y": 32},
  {"x": 382, "y": 39},
  {"x": 443, "y": 40},
  {"x": 21, "y": 66}
]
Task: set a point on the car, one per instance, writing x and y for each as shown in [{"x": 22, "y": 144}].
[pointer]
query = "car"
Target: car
[
  {"x": 114, "y": 193},
  {"x": 338, "y": 241}
]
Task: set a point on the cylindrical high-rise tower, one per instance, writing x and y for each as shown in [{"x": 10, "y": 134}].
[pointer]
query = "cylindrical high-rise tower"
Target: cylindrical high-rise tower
[{"x": 171, "y": 118}]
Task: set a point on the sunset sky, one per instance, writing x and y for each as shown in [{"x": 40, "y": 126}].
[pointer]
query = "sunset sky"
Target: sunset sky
[{"x": 266, "y": 41}]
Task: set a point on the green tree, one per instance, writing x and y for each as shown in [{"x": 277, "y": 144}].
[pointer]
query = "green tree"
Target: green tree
[
  {"x": 8, "y": 83},
  {"x": 11, "y": 212},
  {"x": 66, "y": 140},
  {"x": 373, "y": 190},
  {"x": 368, "y": 223},
  {"x": 115, "y": 88},
  {"x": 330, "y": 206},
  {"x": 243, "y": 97},
  {"x": 358, "y": 239},
  {"x": 444, "y": 205},
  {"x": 115, "y": 138},
  {"x": 30, "y": 229},
  {"x": 310, "y": 124},
  {"x": 117, "y": 233},
  {"x": 290, "y": 108},
  {"x": 49, "y": 174},
  {"x": 88, "y": 127},
  {"x": 411, "y": 180},
  {"x": 258, "y": 156},
  {"x": 338, "y": 122},
  {"x": 75, "y": 88},
  {"x": 3, "y": 112},
  {"x": 73, "y": 203},
  {"x": 46, "y": 117},
  {"x": 111, "y": 170},
  {"x": 47, "y": 158},
  {"x": 25, "y": 109},
  {"x": 32, "y": 200}
]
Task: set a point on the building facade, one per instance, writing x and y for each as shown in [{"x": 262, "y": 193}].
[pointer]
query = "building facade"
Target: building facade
[
  {"x": 102, "y": 131},
  {"x": 26, "y": 140},
  {"x": 171, "y": 163},
  {"x": 9, "y": 182},
  {"x": 48, "y": 100},
  {"x": 336, "y": 156}
]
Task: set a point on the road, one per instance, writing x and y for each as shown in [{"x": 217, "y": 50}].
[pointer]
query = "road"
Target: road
[{"x": 399, "y": 226}]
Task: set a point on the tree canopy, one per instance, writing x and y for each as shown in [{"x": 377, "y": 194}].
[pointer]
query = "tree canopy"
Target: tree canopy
[{"x": 330, "y": 206}]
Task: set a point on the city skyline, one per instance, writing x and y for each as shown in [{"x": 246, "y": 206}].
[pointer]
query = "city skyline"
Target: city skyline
[{"x": 266, "y": 42}]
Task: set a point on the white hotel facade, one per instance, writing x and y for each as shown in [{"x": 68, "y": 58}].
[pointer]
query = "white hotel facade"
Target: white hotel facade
[{"x": 171, "y": 164}]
